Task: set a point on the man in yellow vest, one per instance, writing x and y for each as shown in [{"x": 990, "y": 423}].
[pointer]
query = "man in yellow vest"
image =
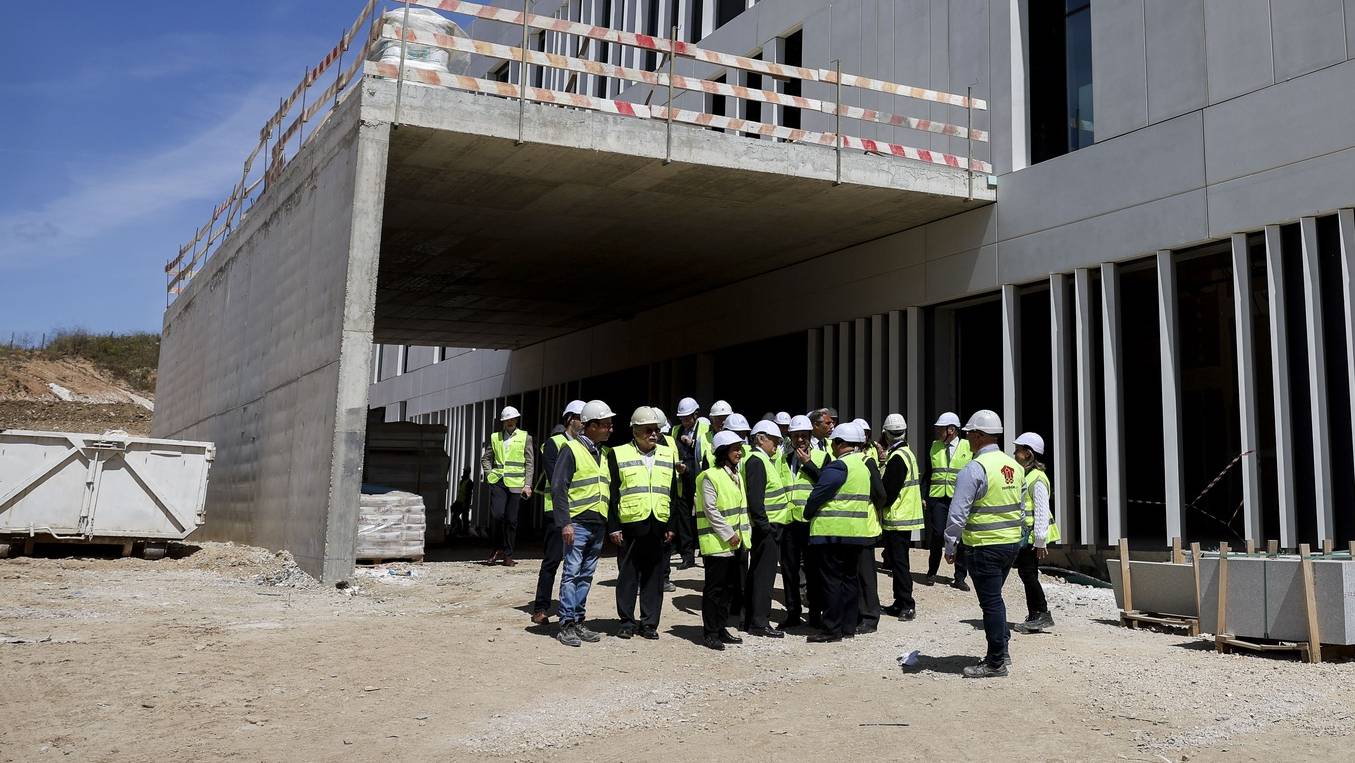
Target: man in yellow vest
[
  {"x": 800, "y": 471},
  {"x": 903, "y": 496},
  {"x": 724, "y": 533},
  {"x": 581, "y": 494},
  {"x": 691, "y": 439},
  {"x": 946, "y": 457},
  {"x": 507, "y": 461},
  {"x": 823, "y": 420},
  {"x": 843, "y": 524},
  {"x": 987, "y": 514},
  {"x": 1040, "y": 529},
  {"x": 769, "y": 512},
  {"x": 554, "y": 553},
  {"x": 644, "y": 478}
]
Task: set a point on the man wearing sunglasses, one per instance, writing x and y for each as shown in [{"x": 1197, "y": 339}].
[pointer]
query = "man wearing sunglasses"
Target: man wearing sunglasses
[{"x": 644, "y": 480}]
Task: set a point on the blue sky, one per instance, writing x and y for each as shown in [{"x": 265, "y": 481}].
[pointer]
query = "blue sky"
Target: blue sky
[{"x": 123, "y": 127}]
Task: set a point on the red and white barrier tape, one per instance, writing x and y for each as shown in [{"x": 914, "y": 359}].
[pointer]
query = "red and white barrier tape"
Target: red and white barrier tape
[{"x": 494, "y": 87}]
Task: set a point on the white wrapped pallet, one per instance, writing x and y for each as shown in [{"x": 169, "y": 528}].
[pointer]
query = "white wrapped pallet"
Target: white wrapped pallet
[
  {"x": 417, "y": 56},
  {"x": 391, "y": 524}
]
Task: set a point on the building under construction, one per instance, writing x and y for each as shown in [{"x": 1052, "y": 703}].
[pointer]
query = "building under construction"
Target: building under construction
[{"x": 1126, "y": 226}]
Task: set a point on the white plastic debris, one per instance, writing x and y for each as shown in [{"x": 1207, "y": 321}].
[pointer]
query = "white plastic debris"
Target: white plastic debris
[{"x": 909, "y": 660}]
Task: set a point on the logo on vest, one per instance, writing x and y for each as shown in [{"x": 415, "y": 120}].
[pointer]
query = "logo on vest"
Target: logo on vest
[{"x": 1009, "y": 474}]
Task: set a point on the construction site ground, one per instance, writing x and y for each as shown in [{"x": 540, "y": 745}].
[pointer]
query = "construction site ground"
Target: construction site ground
[{"x": 232, "y": 652}]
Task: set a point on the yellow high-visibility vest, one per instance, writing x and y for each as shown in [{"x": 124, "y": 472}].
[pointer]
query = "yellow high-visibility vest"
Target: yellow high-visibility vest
[{"x": 998, "y": 516}]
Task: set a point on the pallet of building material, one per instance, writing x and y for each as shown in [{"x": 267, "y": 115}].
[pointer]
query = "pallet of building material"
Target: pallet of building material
[
  {"x": 391, "y": 525},
  {"x": 1309, "y": 648},
  {"x": 1164, "y": 594}
]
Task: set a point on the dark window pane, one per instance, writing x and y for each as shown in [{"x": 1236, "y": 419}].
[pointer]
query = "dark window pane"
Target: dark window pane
[
  {"x": 1079, "y": 57},
  {"x": 727, "y": 10}
]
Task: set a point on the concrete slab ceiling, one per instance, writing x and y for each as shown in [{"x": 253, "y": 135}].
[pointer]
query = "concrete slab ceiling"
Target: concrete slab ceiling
[{"x": 490, "y": 244}]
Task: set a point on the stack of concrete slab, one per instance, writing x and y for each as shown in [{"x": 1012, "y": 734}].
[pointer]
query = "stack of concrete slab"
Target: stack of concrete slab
[
  {"x": 1265, "y": 598},
  {"x": 1158, "y": 587},
  {"x": 390, "y": 524}
]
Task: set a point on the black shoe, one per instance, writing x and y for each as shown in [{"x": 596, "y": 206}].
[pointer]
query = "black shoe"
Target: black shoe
[
  {"x": 960, "y": 585},
  {"x": 649, "y": 633},
  {"x": 824, "y": 638},
  {"x": 567, "y": 636},
  {"x": 668, "y": 586},
  {"x": 893, "y": 610},
  {"x": 793, "y": 622},
  {"x": 626, "y": 632},
  {"x": 984, "y": 670},
  {"x": 864, "y": 629},
  {"x": 687, "y": 564},
  {"x": 766, "y": 632},
  {"x": 1035, "y": 623},
  {"x": 907, "y": 614},
  {"x": 713, "y": 642},
  {"x": 729, "y": 638},
  {"x": 929, "y": 580}
]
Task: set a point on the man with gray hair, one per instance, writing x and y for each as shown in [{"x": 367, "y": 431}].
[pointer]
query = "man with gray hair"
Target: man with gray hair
[{"x": 823, "y": 421}]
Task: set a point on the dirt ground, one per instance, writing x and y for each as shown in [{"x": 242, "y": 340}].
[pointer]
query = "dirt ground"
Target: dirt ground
[
  {"x": 231, "y": 652},
  {"x": 67, "y": 416}
]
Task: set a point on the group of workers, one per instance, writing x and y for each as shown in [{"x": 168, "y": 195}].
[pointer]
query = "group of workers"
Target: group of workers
[{"x": 808, "y": 495}]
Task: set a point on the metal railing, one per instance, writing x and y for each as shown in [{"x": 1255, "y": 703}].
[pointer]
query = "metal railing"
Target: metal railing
[{"x": 274, "y": 138}]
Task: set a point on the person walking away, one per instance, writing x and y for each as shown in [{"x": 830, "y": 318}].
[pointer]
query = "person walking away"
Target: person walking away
[
  {"x": 948, "y": 455},
  {"x": 800, "y": 472},
  {"x": 988, "y": 516},
  {"x": 769, "y": 513},
  {"x": 644, "y": 475},
  {"x": 507, "y": 461},
  {"x": 1040, "y": 532},
  {"x": 689, "y": 437},
  {"x": 723, "y": 533},
  {"x": 903, "y": 496},
  {"x": 581, "y": 495},
  {"x": 844, "y": 525},
  {"x": 554, "y": 552}
]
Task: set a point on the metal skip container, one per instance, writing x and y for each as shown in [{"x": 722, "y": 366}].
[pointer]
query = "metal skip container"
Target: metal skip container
[{"x": 109, "y": 488}]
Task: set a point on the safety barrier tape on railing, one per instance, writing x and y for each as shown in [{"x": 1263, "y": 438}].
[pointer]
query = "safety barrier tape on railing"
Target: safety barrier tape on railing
[
  {"x": 313, "y": 74},
  {"x": 663, "y": 45},
  {"x": 660, "y": 79},
  {"x": 494, "y": 87}
]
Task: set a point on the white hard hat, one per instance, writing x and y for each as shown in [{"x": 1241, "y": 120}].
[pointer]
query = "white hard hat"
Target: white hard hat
[
  {"x": 948, "y": 419},
  {"x": 574, "y": 408},
  {"x": 783, "y": 419},
  {"x": 725, "y": 438},
  {"x": 736, "y": 422},
  {"x": 801, "y": 424},
  {"x": 661, "y": 416},
  {"x": 894, "y": 423},
  {"x": 509, "y": 412},
  {"x": 984, "y": 421},
  {"x": 865, "y": 425},
  {"x": 594, "y": 410},
  {"x": 1032, "y": 441},
  {"x": 644, "y": 416},
  {"x": 720, "y": 408},
  {"x": 687, "y": 406},
  {"x": 768, "y": 428},
  {"x": 848, "y": 432}
]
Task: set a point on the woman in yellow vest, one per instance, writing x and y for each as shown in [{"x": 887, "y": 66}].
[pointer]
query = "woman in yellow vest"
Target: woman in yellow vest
[
  {"x": 1040, "y": 532},
  {"x": 723, "y": 533},
  {"x": 843, "y": 525},
  {"x": 644, "y": 479},
  {"x": 507, "y": 462}
]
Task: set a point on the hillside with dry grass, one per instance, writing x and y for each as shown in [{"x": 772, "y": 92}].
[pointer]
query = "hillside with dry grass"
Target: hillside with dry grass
[{"x": 80, "y": 382}]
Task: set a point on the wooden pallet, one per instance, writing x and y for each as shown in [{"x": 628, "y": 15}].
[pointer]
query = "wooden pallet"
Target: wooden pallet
[
  {"x": 1225, "y": 643},
  {"x": 389, "y": 560},
  {"x": 1132, "y": 619},
  {"x": 1308, "y": 652}
]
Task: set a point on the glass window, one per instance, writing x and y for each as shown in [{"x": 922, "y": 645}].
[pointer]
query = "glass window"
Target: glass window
[
  {"x": 1078, "y": 26},
  {"x": 1060, "y": 54}
]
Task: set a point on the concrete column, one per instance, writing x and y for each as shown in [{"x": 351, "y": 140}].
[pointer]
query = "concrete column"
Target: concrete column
[
  {"x": 918, "y": 426},
  {"x": 844, "y": 366},
  {"x": 814, "y": 369},
  {"x": 1346, "y": 224},
  {"x": 1089, "y": 506},
  {"x": 1060, "y": 356},
  {"x": 861, "y": 354},
  {"x": 829, "y": 366},
  {"x": 1169, "y": 353},
  {"x": 878, "y": 371},
  {"x": 1317, "y": 376},
  {"x": 1246, "y": 389},
  {"x": 1279, "y": 370},
  {"x": 1112, "y": 364},
  {"x": 1011, "y": 365}
]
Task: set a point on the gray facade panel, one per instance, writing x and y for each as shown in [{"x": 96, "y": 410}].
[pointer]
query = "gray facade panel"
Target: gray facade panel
[
  {"x": 1308, "y": 34},
  {"x": 1238, "y": 47},
  {"x": 1119, "y": 67},
  {"x": 1284, "y": 194},
  {"x": 1175, "y": 35}
]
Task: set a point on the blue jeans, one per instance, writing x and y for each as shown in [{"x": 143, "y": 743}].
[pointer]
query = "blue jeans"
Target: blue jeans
[
  {"x": 581, "y": 561},
  {"x": 988, "y": 568}
]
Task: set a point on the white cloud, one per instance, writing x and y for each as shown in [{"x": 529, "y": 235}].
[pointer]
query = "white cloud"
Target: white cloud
[{"x": 118, "y": 196}]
